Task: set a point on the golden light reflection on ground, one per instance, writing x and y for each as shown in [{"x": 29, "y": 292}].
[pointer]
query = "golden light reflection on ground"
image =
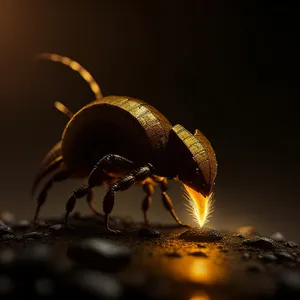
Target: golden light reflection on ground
[
  {"x": 200, "y": 296},
  {"x": 203, "y": 270},
  {"x": 198, "y": 270}
]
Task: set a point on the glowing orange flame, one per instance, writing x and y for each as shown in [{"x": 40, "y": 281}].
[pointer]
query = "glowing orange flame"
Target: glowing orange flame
[{"x": 199, "y": 206}]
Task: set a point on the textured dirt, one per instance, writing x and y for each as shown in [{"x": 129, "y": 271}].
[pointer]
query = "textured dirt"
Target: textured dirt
[{"x": 160, "y": 262}]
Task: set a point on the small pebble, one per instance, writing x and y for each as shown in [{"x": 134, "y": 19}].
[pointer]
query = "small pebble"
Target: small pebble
[
  {"x": 281, "y": 255},
  {"x": 60, "y": 229},
  {"x": 277, "y": 237},
  {"x": 23, "y": 224},
  {"x": 173, "y": 254},
  {"x": 90, "y": 283},
  {"x": 198, "y": 254},
  {"x": 260, "y": 242},
  {"x": 205, "y": 235},
  {"x": 291, "y": 244},
  {"x": 240, "y": 235},
  {"x": 146, "y": 232},
  {"x": 268, "y": 256},
  {"x": 246, "y": 230},
  {"x": 56, "y": 227},
  {"x": 4, "y": 229},
  {"x": 101, "y": 254}
]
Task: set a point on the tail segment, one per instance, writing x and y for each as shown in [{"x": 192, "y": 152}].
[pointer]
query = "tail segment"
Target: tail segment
[
  {"x": 77, "y": 68},
  {"x": 50, "y": 163}
]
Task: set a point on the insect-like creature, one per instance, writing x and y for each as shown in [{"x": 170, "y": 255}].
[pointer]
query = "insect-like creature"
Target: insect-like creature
[{"x": 120, "y": 141}]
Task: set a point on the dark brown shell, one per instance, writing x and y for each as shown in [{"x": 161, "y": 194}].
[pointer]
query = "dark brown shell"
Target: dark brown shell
[
  {"x": 206, "y": 157},
  {"x": 117, "y": 125},
  {"x": 202, "y": 152}
]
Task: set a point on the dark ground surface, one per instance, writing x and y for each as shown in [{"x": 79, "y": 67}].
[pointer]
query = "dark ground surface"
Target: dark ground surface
[{"x": 159, "y": 262}]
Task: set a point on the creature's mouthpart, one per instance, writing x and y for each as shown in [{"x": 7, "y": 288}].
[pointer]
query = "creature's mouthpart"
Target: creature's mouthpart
[{"x": 199, "y": 206}]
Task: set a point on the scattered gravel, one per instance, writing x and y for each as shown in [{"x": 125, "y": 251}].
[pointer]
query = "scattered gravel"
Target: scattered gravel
[
  {"x": 291, "y": 244},
  {"x": 100, "y": 266},
  {"x": 268, "y": 256},
  {"x": 260, "y": 242},
  {"x": 284, "y": 256}
]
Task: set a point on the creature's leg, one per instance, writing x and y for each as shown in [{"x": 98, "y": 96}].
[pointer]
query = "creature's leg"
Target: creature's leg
[
  {"x": 123, "y": 184},
  {"x": 60, "y": 176},
  {"x": 108, "y": 164},
  {"x": 149, "y": 190},
  {"x": 167, "y": 200}
]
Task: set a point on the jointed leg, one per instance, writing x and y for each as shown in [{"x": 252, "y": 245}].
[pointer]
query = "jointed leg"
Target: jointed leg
[
  {"x": 77, "y": 194},
  {"x": 60, "y": 176},
  {"x": 149, "y": 190},
  {"x": 122, "y": 185},
  {"x": 167, "y": 202},
  {"x": 108, "y": 164},
  {"x": 90, "y": 196}
]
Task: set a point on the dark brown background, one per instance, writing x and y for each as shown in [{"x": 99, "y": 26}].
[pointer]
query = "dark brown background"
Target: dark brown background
[{"x": 231, "y": 70}]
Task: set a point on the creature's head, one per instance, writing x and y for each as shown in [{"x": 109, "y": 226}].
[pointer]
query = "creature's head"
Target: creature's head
[{"x": 195, "y": 158}]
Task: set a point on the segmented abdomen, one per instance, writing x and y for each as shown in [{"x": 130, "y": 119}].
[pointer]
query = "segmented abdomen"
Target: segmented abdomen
[{"x": 119, "y": 125}]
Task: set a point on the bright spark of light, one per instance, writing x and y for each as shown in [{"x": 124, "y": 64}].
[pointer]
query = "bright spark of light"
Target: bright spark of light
[{"x": 200, "y": 207}]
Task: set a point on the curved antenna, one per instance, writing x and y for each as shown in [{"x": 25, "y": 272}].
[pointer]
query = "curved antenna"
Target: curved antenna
[
  {"x": 77, "y": 68},
  {"x": 62, "y": 108}
]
